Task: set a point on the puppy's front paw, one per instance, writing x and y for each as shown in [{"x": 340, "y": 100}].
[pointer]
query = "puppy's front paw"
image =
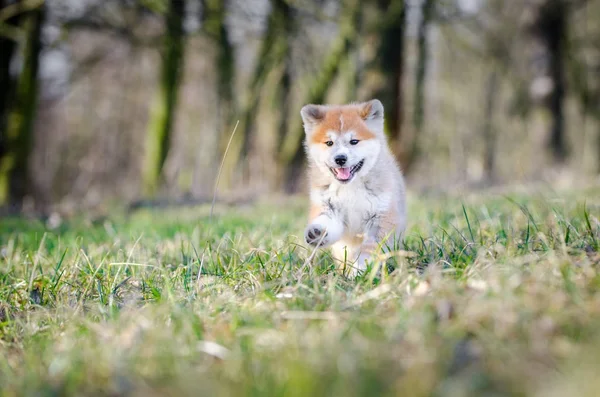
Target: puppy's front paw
[{"x": 316, "y": 235}]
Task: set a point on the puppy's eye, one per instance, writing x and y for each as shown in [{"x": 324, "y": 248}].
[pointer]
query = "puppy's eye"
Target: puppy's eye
[
  {"x": 354, "y": 142},
  {"x": 329, "y": 143}
]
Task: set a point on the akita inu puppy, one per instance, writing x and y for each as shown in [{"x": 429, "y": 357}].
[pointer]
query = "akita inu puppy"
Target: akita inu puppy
[{"x": 357, "y": 192}]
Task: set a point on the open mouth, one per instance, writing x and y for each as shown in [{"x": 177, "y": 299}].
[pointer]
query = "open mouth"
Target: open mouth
[{"x": 345, "y": 174}]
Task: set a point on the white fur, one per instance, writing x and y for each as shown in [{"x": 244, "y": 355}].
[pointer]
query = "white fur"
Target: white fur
[{"x": 357, "y": 214}]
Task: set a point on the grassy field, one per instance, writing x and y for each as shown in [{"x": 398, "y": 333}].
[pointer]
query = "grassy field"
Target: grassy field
[{"x": 495, "y": 295}]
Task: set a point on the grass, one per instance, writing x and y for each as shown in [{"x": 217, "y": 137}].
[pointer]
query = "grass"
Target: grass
[{"x": 494, "y": 295}]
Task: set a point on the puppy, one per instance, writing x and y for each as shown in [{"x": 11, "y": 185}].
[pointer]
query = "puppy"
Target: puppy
[{"x": 357, "y": 192}]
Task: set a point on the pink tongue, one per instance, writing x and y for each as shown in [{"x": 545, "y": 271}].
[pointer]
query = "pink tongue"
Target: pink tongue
[{"x": 343, "y": 173}]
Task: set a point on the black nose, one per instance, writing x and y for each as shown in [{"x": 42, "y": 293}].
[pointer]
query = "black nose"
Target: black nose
[{"x": 341, "y": 159}]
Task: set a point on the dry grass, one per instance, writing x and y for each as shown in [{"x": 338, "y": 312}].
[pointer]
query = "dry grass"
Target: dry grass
[{"x": 496, "y": 295}]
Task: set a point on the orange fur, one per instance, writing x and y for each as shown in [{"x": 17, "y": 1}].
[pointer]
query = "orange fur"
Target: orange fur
[
  {"x": 315, "y": 210},
  {"x": 341, "y": 119}
]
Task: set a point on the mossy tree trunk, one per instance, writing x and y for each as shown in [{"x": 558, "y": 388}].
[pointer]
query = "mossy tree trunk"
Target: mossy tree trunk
[
  {"x": 21, "y": 123},
  {"x": 319, "y": 87},
  {"x": 275, "y": 53},
  {"x": 163, "y": 115},
  {"x": 214, "y": 26},
  {"x": 7, "y": 50}
]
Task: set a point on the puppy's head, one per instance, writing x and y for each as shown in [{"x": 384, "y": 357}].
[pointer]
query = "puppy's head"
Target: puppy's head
[{"x": 344, "y": 140}]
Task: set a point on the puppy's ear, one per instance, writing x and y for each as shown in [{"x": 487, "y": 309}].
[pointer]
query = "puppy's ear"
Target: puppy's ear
[
  {"x": 312, "y": 115},
  {"x": 372, "y": 113},
  {"x": 372, "y": 110}
]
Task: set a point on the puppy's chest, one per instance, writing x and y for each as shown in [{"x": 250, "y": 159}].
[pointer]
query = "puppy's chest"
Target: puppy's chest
[{"x": 358, "y": 207}]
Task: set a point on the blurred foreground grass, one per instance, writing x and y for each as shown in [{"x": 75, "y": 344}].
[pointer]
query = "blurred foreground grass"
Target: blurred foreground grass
[{"x": 495, "y": 295}]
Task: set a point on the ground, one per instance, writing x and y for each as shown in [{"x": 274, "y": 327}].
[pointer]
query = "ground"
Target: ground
[{"x": 494, "y": 294}]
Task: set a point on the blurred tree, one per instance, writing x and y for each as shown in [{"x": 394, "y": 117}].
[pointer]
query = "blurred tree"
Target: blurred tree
[
  {"x": 583, "y": 64},
  {"x": 496, "y": 40},
  {"x": 390, "y": 30},
  {"x": 162, "y": 119},
  {"x": 410, "y": 155},
  {"x": 8, "y": 46},
  {"x": 490, "y": 35},
  {"x": 319, "y": 86},
  {"x": 352, "y": 71},
  {"x": 214, "y": 26},
  {"x": 488, "y": 129},
  {"x": 22, "y": 118},
  {"x": 275, "y": 53},
  {"x": 215, "y": 29},
  {"x": 549, "y": 28},
  {"x": 392, "y": 47}
]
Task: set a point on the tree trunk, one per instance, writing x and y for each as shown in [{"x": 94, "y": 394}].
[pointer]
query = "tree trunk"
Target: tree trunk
[
  {"x": 488, "y": 130},
  {"x": 556, "y": 36},
  {"x": 7, "y": 49},
  {"x": 22, "y": 130},
  {"x": 391, "y": 63},
  {"x": 550, "y": 28},
  {"x": 341, "y": 48},
  {"x": 215, "y": 29},
  {"x": 214, "y": 13},
  {"x": 283, "y": 101},
  {"x": 162, "y": 118},
  {"x": 409, "y": 156},
  {"x": 274, "y": 52},
  {"x": 583, "y": 77}
]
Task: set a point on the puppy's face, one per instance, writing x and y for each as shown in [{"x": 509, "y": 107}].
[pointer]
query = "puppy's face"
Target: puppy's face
[{"x": 344, "y": 140}]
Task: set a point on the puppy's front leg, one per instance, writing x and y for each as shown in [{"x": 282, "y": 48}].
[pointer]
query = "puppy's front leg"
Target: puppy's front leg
[
  {"x": 380, "y": 233},
  {"x": 324, "y": 229},
  {"x": 367, "y": 249}
]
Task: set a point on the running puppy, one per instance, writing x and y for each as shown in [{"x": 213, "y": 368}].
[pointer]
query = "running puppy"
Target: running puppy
[{"x": 357, "y": 191}]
